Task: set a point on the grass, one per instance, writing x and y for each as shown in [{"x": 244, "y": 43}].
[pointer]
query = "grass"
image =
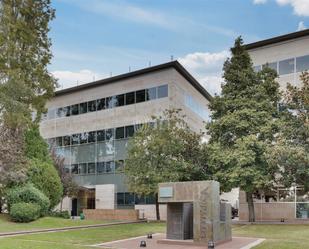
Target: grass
[
  {"x": 79, "y": 239},
  {"x": 277, "y": 236},
  {"x": 47, "y": 222}
]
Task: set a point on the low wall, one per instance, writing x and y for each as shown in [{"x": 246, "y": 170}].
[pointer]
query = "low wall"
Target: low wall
[
  {"x": 149, "y": 211},
  {"x": 111, "y": 214},
  {"x": 269, "y": 211}
]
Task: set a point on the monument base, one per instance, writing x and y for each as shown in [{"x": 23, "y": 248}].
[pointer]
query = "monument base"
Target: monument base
[{"x": 188, "y": 242}]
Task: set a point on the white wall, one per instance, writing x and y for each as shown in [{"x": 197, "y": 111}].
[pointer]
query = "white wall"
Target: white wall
[{"x": 105, "y": 196}]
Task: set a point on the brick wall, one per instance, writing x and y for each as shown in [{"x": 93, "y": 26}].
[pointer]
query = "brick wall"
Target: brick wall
[{"x": 111, "y": 214}]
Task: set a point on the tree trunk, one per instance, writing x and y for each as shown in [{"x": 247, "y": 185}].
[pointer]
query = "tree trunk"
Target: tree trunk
[
  {"x": 251, "y": 213},
  {"x": 157, "y": 208}
]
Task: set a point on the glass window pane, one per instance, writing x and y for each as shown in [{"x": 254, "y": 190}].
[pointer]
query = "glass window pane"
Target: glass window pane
[
  {"x": 286, "y": 66},
  {"x": 61, "y": 112},
  {"x": 91, "y": 168},
  {"x": 101, "y": 104},
  {"x": 110, "y": 167},
  {"x": 129, "y": 199},
  {"x": 83, "y": 137},
  {"x": 120, "y": 198},
  {"x": 257, "y": 68},
  {"x": 101, "y": 135},
  {"x": 68, "y": 111},
  {"x": 111, "y": 102},
  {"x": 272, "y": 65},
  {"x": 302, "y": 63},
  {"x": 162, "y": 91},
  {"x": 120, "y": 100},
  {"x": 130, "y": 98},
  {"x": 75, "y": 139},
  {"x": 75, "y": 109},
  {"x": 151, "y": 93},
  {"x": 109, "y": 134},
  {"x": 59, "y": 141},
  {"x": 74, "y": 168},
  {"x": 100, "y": 167},
  {"x": 92, "y": 106},
  {"x": 130, "y": 131},
  {"x": 119, "y": 132},
  {"x": 82, "y": 168},
  {"x": 67, "y": 140},
  {"x": 83, "y": 108},
  {"x": 140, "y": 96},
  {"x": 92, "y": 135},
  {"x": 119, "y": 166}
]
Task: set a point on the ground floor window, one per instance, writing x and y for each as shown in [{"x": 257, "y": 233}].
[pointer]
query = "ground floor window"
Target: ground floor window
[{"x": 130, "y": 199}]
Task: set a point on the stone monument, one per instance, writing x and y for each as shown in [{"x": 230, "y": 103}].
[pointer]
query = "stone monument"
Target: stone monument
[{"x": 195, "y": 213}]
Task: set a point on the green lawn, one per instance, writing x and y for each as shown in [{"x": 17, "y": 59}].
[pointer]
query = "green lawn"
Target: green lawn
[
  {"x": 79, "y": 239},
  {"x": 278, "y": 236},
  {"x": 47, "y": 222}
]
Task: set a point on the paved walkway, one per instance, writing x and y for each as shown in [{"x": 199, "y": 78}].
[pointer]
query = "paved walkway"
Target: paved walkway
[
  {"x": 133, "y": 243},
  {"x": 49, "y": 230}
]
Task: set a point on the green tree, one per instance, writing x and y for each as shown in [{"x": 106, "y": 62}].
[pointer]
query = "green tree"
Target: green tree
[
  {"x": 291, "y": 151},
  {"x": 166, "y": 151},
  {"x": 243, "y": 125}
]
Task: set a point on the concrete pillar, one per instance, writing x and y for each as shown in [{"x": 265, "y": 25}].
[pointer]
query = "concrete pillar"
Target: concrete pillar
[{"x": 105, "y": 196}]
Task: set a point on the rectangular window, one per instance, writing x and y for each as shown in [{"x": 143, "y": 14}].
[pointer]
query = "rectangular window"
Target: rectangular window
[
  {"x": 82, "y": 168},
  {"x": 67, "y": 111},
  {"x": 110, "y": 167},
  {"x": 74, "y": 168},
  {"x": 129, "y": 199},
  {"x": 92, "y": 137},
  {"x": 272, "y": 65},
  {"x": 130, "y": 131},
  {"x": 140, "y": 96},
  {"x": 101, "y": 104},
  {"x": 109, "y": 134},
  {"x": 91, "y": 168},
  {"x": 111, "y": 102},
  {"x": 83, "y": 108},
  {"x": 286, "y": 66},
  {"x": 100, "y": 167},
  {"x": 120, "y": 100},
  {"x": 163, "y": 91},
  {"x": 83, "y": 137},
  {"x": 101, "y": 135},
  {"x": 67, "y": 140},
  {"x": 92, "y": 106},
  {"x": 130, "y": 98},
  {"x": 302, "y": 63},
  {"x": 119, "y": 166},
  {"x": 59, "y": 141},
  {"x": 120, "y": 198},
  {"x": 75, "y": 139},
  {"x": 61, "y": 112},
  {"x": 119, "y": 132},
  {"x": 75, "y": 109},
  {"x": 151, "y": 93}
]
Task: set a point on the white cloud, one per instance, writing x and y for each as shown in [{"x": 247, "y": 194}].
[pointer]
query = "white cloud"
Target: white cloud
[
  {"x": 69, "y": 79},
  {"x": 259, "y": 1},
  {"x": 207, "y": 68},
  {"x": 300, "y": 7},
  {"x": 301, "y": 26}
]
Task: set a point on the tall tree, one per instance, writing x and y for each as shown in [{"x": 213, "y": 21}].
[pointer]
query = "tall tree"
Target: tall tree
[
  {"x": 291, "y": 151},
  {"x": 243, "y": 126},
  {"x": 166, "y": 151},
  {"x": 25, "y": 83}
]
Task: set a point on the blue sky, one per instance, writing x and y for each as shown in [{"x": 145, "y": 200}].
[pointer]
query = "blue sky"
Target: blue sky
[{"x": 94, "y": 39}]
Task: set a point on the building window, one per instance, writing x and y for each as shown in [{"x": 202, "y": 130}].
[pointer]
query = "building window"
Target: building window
[
  {"x": 111, "y": 102},
  {"x": 67, "y": 140},
  {"x": 272, "y": 65},
  {"x": 140, "y": 96},
  {"x": 163, "y": 91},
  {"x": 119, "y": 166},
  {"x": 130, "y": 98},
  {"x": 83, "y": 108},
  {"x": 84, "y": 138},
  {"x": 302, "y": 63},
  {"x": 92, "y": 135},
  {"x": 109, "y": 134},
  {"x": 75, "y": 109},
  {"x": 110, "y": 167},
  {"x": 101, "y": 104},
  {"x": 82, "y": 168},
  {"x": 257, "y": 68},
  {"x": 101, "y": 135},
  {"x": 92, "y": 106},
  {"x": 120, "y": 100},
  {"x": 75, "y": 139},
  {"x": 74, "y": 169},
  {"x": 91, "y": 168},
  {"x": 59, "y": 141},
  {"x": 286, "y": 66},
  {"x": 119, "y": 132},
  {"x": 67, "y": 111},
  {"x": 151, "y": 93},
  {"x": 100, "y": 167},
  {"x": 120, "y": 198},
  {"x": 130, "y": 131}
]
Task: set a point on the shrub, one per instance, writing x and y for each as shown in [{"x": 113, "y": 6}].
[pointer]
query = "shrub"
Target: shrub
[
  {"x": 45, "y": 177},
  {"x": 28, "y": 194},
  {"x": 25, "y": 212},
  {"x": 60, "y": 214}
]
